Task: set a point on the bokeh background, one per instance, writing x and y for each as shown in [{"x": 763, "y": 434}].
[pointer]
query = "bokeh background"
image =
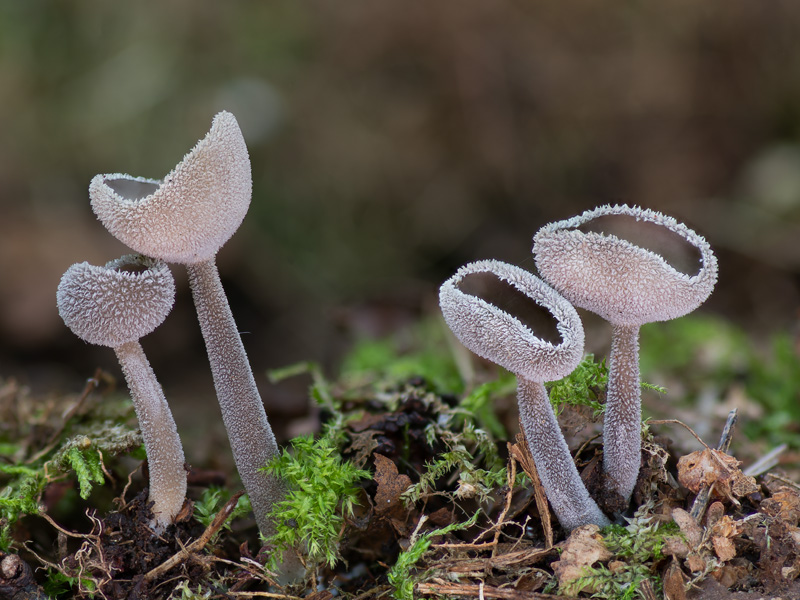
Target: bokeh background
[{"x": 391, "y": 142}]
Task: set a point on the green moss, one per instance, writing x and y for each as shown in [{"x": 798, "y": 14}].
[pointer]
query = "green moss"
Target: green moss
[
  {"x": 322, "y": 491},
  {"x": 639, "y": 546},
  {"x": 401, "y": 575},
  {"x": 585, "y": 386}
]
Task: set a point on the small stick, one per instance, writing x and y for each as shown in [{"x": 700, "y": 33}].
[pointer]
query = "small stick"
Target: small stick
[
  {"x": 766, "y": 462},
  {"x": 511, "y": 472},
  {"x": 647, "y": 590},
  {"x": 123, "y": 502},
  {"x": 727, "y": 432},
  {"x": 681, "y": 423},
  {"x": 585, "y": 444},
  {"x": 473, "y": 591},
  {"x": 262, "y": 595},
  {"x": 375, "y": 592},
  {"x": 788, "y": 482},
  {"x": 91, "y": 384},
  {"x": 704, "y": 495},
  {"x": 82, "y": 536},
  {"x": 219, "y": 520},
  {"x": 511, "y": 475},
  {"x": 521, "y": 454}
]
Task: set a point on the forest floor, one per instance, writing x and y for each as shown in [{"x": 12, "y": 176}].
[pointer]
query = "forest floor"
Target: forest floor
[{"x": 431, "y": 501}]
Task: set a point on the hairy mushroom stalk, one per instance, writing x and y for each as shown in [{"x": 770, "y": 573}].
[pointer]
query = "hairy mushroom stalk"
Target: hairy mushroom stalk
[
  {"x": 631, "y": 266},
  {"x": 498, "y": 336},
  {"x": 114, "y": 306},
  {"x": 186, "y": 218}
]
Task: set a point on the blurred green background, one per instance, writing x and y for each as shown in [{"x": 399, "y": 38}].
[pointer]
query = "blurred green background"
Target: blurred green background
[{"x": 391, "y": 142}]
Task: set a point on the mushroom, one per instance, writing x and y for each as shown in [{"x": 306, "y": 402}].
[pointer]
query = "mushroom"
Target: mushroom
[
  {"x": 186, "y": 218},
  {"x": 631, "y": 266},
  {"x": 497, "y": 335},
  {"x": 114, "y": 306}
]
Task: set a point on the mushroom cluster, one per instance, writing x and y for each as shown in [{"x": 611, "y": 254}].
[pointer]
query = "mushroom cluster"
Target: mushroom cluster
[
  {"x": 184, "y": 218},
  {"x": 627, "y": 264}
]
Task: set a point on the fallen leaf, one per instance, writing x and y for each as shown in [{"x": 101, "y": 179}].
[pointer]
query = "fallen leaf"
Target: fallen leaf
[
  {"x": 522, "y": 454},
  {"x": 723, "y": 547},
  {"x": 390, "y": 485},
  {"x": 688, "y": 526},
  {"x": 730, "y": 575},
  {"x": 696, "y": 563},
  {"x": 674, "y": 582},
  {"x": 784, "y": 504},
  {"x": 675, "y": 546},
  {"x": 582, "y": 549},
  {"x": 714, "y": 513},
  {"x": 442, "y": 517},
  {"x": 362, "y": 445},
  {"x": 726, "y": 527},
  {"x": 712, "y": 467}
]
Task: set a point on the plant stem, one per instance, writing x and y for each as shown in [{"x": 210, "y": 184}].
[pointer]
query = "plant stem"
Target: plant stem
[
  {"x": 560, "y": 479},
  {"x": 252, "y": 441},
  {"x": 622, "y": 430},
  {"x": 162, "y": 444}
]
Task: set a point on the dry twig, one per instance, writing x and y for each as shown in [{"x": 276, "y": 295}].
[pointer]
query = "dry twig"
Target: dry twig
[
  {"x": 703, "y": 496},
  {"x": 196, "y": 546},
  {"x": 91, "y": 384},
  {"x": 466, "y": 590},
  {"x": 522, "y": 455}
]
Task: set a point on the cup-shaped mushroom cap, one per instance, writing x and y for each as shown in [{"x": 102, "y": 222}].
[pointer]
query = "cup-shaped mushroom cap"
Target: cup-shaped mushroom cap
[
  {"x": 118, "y": 303},
  {"x": 187, "y": 217},
  {"x": 622, "y": 281},
  {"x": 498, "y": 336}
]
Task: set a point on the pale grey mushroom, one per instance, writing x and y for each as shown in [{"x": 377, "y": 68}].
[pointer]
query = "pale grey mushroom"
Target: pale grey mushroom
[
  {"x": 116, "y": 305},
  {"x": 186, "y": 218},
  {"x": 631, "y": 266},
  {"x": 501, "y": 337}
]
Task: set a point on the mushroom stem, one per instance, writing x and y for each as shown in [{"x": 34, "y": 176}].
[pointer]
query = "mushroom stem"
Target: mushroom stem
[
  {"x": 161, "y": 441},
  {"x": 622, "y": 430},
  {"x": 562, "y": 483},
  {"x": 252, "y": 441}
]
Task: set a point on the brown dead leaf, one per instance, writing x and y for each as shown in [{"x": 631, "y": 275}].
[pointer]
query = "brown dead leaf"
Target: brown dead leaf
[
  {"x": 582, "y": 549},
  {"x": 723, "y": 547},
  {"x": 675, "y": 546},
  {"x": 706, "y": 467},
  {"x": 442, "y": 517},
  {"x": 368, "y": 421},
  {"x": 653, "y": 472},
  {"x": 731, "y": 574},
  {"x": 714, "y": 513},
  {"x": 522, "y": 454},
  {"x": 794, "y": 534},
  {"x": 790, "y": 572},
  {"x": 674, "y": 582},
  {"x": 362, "y": 444},
  {"x": 688, "y": 526},
  {"x": 784, "y": 504},
  {"x": 727, "y": 527},
  {"x": 616, "y": 566},
  {"x": 696, "y": 563},
  {"x": 390, "y": 485}
]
